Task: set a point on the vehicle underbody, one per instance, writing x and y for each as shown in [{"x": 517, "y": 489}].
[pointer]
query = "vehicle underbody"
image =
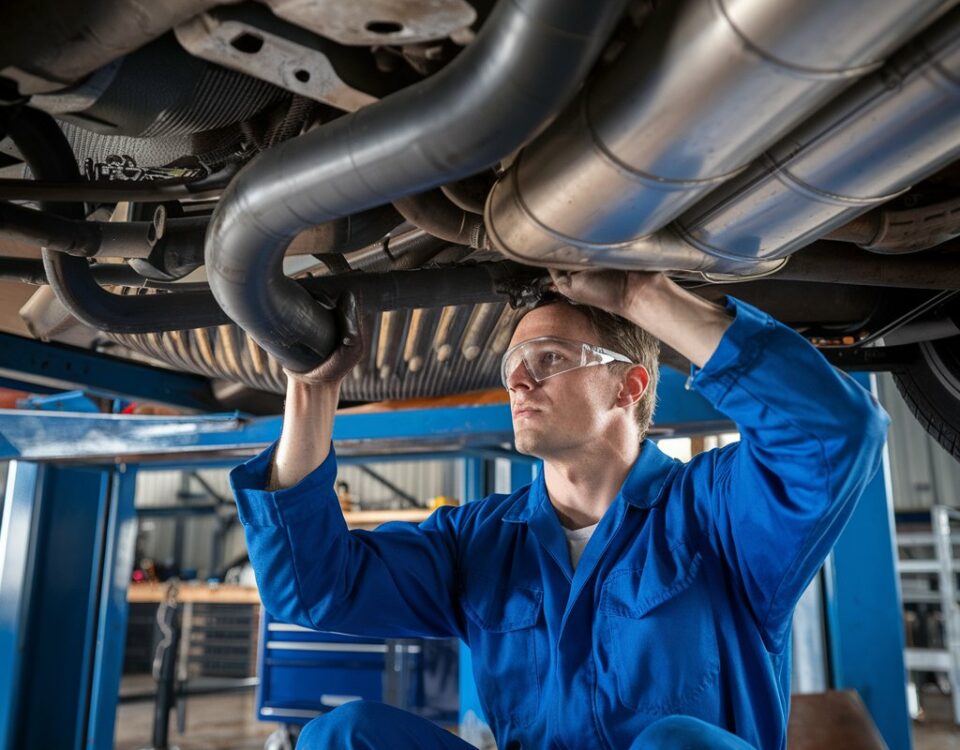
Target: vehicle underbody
[{"x": 193, "y": 183}]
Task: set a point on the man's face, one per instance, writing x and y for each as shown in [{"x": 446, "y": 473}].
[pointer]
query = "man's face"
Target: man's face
[{"x": 558, "y": 415}]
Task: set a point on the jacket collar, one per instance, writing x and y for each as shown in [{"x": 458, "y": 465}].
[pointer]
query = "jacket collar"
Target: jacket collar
[{"x": 643, "y": 487}]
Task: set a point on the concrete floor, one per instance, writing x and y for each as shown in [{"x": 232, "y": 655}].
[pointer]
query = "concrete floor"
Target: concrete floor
[
  {"x": 226, "y": 722},
  {"x": 214, "y": 722},
  {"x": 935, "y": 737},
  {"x": 936, "y": 730}
]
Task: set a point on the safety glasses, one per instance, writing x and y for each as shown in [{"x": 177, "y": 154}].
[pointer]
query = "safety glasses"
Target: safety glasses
[{"x": 547, "y": 356}]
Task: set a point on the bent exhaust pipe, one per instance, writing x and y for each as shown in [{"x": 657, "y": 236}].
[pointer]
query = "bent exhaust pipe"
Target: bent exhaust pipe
[{"x": 528, "y": 60}]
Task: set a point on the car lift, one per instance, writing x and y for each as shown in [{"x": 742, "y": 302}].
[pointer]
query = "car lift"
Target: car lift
[{"x": 68, "y": 531}]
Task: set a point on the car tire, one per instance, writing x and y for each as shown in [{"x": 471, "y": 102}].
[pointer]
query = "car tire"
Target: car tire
[{"x": 931, "y": 387}]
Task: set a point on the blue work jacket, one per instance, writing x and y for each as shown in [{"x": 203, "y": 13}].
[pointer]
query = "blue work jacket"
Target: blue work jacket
[{"x": 682, "y": 600}]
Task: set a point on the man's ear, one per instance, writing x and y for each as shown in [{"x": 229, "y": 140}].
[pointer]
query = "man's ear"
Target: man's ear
[{"x": 633, "y": 385}]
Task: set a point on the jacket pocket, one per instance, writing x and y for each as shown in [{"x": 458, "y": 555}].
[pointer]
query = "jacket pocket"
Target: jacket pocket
[
  {"x": 502, "y": 624},
  {"x": 661, "y": 634}
]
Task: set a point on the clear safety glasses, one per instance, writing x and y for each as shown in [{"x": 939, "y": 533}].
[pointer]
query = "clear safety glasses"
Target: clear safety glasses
[{"x": 547, "y": 356}]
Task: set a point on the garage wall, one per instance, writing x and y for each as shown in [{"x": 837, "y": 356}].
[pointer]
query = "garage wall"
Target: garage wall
[
  {"x": 422, "y": 479},
  {"x": 923, "y": 473}
]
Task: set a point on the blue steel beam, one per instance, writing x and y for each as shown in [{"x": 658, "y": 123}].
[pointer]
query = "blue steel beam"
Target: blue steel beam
[
  {"x": 30, "y": 363},
  {"x": 20, "y": 385},
  {"x": 213, "y": 461},
  {"x": 96, "y": 437},
  {"x": 62, "y": 628},
  {"x": 54, "y": 436},
  {"x": 55, "y": 546},
  {"x": 43, "y": 436},
  {"x": 72, "y": 401}
]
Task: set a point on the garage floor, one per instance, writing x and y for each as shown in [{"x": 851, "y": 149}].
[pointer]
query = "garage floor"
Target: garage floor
[
  {"x": 214, "y": 722},
  {"x": 936, "y": 730},
  {"x": 226, "y": 722}
]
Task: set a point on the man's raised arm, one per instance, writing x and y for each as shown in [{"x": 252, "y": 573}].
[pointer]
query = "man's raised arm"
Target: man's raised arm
[
  {"x": 311, "y": 402},
  {"x": 399, "y": 580},
  {"x": 774, "y": 504}
]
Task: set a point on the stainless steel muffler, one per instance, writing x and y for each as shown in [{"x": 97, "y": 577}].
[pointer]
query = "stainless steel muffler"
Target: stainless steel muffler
[{"x": 705, "y": 87}]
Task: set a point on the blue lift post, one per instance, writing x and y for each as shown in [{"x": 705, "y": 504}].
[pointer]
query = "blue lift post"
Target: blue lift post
[
  {"x": 65, "y": 532},
  {"x": 111, "y": 634},
  {"x": 66, "y": 548},
  {"x": 864, "y": 608}
]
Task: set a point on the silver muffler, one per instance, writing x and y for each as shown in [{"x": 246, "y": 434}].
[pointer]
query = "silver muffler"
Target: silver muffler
[{"x": 720, "y": 81}]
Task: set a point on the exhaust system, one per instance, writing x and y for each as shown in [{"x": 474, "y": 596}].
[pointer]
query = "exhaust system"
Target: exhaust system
[
  {"x": 617, "y": 182},
  {"x": 721, "y": 81}
]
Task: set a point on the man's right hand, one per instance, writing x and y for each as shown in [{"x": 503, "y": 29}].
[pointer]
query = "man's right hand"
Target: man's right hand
[
  {"x": 312, "y": 399},
  {"x": 353, "y": 326}
]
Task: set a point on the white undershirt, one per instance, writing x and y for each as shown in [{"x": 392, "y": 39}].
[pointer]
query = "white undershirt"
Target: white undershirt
[{"x": 576, "y": 540}]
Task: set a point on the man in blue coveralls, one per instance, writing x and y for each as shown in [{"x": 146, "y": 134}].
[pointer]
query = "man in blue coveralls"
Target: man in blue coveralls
[{"x": 624, "y": 599}]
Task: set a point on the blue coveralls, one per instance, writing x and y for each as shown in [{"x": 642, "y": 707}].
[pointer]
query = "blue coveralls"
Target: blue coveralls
[{"x": 682, "y": 600}]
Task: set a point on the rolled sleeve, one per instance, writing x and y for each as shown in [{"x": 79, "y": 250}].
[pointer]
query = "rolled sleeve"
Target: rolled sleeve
[{"x": 258, "y": 506}]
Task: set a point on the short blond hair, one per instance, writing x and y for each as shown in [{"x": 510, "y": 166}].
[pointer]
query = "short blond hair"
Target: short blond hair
[{"x": 620, "y": 335}]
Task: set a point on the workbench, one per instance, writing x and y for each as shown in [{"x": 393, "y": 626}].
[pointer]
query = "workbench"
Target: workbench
[{"x": 188, "y": 593}]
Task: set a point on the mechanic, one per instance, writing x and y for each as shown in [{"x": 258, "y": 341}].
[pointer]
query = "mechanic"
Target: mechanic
[{"x": 623, "y": 599}]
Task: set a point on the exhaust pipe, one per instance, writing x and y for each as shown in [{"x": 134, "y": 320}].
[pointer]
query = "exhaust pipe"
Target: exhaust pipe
[
  {"x": 527, "y": 61},
  {"x": 720, "y": 81},
  {"x": 409, "y": 334}
]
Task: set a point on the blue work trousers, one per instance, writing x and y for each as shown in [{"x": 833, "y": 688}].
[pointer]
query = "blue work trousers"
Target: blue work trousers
[{"x": 368, "y": 725}]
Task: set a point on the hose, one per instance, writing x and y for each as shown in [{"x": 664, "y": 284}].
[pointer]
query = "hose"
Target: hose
[
  {"x": 45, "y": 149},
  {"x": 61, "y": 227},
  {"x": 111, "y": 239}
]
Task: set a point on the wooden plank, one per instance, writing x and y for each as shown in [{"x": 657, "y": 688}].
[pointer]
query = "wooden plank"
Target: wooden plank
[
  {"x": 830, "y": 721},
  {"x": 368, "y": 519},
  {"x": 216, "y": 593}
]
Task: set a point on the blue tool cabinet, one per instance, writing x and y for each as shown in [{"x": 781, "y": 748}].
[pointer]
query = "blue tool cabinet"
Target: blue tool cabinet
[{"x": 305, "y": 673}]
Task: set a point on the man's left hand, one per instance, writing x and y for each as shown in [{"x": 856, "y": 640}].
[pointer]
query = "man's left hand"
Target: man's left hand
[
  {"x": 683, "y": 321},
  {"x": 608, "y": 289}
]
